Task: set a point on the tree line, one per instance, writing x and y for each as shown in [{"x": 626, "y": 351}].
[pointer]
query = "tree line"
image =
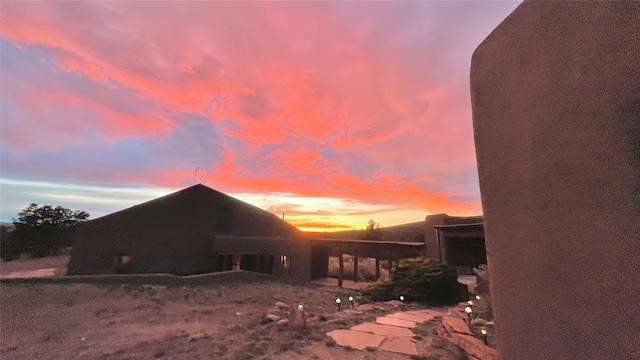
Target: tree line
[{"x": 40, "y": 231}]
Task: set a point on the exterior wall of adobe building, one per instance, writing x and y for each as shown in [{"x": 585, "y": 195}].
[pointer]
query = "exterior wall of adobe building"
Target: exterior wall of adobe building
[{"x": 556, "y": 106}]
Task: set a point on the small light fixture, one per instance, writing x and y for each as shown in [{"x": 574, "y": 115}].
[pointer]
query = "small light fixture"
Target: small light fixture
[
  {"x": 338, "y": 301},
  {"x": 351, "y": 301},
  {"x": 468, "y": 310},
  {"x": 402, "y": 298},
  {"x": 477, "y": 297},
  {"x": 300, "y": 307},
  {"x": 470, "y": 302},
  {"x": 484, "y": 333}
]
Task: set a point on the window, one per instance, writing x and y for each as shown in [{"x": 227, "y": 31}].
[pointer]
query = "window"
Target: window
[
  {"x": 122, "y": 260},
  {"x": 123, "y": 264},
  {"x": 224, "y": 221},
  {"x": 284, "y": 261},
  {"x": 236, "y": 262}
]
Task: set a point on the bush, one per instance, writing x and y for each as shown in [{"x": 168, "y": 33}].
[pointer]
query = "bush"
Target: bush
[
  {"x": 417, "y": 279},
  {"x": 482, "y": 308},
  {"x": 9, "y": 247}
]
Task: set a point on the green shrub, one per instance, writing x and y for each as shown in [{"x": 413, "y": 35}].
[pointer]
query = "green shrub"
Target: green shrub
[
  {"x": 417, "y": 279},
  {"x": 482, "y": 308}
]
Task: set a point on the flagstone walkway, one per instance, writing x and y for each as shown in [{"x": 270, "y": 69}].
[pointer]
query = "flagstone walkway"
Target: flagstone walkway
[{"x": 388, "y": 333}]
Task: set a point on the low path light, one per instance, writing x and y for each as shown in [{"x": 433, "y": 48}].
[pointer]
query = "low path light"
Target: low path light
[
  {"x": 402, "y": 298},
  {"x": 338, "y": 301},
  {"x": 484, "y": 333},
  {"x": 468, "y": 310},
  {"x": 477, "y": 297},
  {"x": 351, "y": 301}
]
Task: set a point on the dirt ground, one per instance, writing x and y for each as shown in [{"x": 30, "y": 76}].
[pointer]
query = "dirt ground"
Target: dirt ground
[
  {"x": 74, "y": 321},
  {"x": 59, "y": 262}
]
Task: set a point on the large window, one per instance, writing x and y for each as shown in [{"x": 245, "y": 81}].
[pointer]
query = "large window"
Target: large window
[{"x": 224, "y": 221}]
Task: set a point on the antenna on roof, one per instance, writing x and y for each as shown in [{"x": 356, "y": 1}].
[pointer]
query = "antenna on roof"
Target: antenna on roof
[
  {"x": 195, "y": 173},
  {"x": 283, "y": 215}
]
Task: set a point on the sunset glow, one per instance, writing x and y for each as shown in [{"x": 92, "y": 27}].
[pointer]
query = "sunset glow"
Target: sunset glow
[{"x": 333, "y": 113}]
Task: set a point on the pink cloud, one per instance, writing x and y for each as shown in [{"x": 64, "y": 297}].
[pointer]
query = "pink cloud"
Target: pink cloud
[{"x": 367, "y": 101}]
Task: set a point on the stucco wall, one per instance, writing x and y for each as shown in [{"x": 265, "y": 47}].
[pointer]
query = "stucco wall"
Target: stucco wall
[
  {"x": 297, "y": 250},
  {"x": 556, "y": 107},
  {"x": 430, "y": 237}
]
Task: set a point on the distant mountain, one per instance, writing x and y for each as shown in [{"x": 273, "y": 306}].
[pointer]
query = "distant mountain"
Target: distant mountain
[
  {"x": 410, "y": 232},
  {"x": 8, "y": 224}
]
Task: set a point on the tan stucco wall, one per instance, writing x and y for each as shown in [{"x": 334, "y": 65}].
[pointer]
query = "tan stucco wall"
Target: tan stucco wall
[
  {"x": 556, "y": 107},
  {"x": 430, "y": 237}
]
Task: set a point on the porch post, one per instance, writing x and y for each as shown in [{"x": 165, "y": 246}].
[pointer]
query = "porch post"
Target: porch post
[
  {"x": 390, "y": 261},
  {"x": 341, "y": 262},
  {"x": 355, "y": 265},
  {"x": 225, "y": 262}
]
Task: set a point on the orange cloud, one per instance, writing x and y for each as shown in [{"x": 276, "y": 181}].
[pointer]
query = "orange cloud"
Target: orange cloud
[{"x": 367, "y": 102}]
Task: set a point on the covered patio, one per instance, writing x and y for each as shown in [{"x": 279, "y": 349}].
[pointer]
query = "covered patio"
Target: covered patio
[{"x": 379, "y": 250}]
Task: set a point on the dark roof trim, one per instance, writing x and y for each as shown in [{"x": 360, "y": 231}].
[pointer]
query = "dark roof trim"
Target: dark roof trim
[
  {"x": 368, "y": 242},
  {"x": 457, "y": 226},
  {"x": 242, "y": 237}
]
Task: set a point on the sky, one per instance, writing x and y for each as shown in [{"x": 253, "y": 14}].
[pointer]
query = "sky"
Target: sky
[{"x": 331, "y": 112}]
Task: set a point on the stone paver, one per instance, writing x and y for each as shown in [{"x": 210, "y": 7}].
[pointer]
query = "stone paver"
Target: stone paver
[
  {"x": 385, "y": 330},
  {"x": 389, "y": 333},
  {"x": 353, "y": 312},
  {"x": 455, "y": 325},
  {"x": 356, "y": 339},
  {"x": 399, "y": 345},
  {"x": 395, "y": 322},
  {"x": 395, "y": 303},
  {"x": 470, "y": 280},
  {"x": 417, "y": 315},
  {"x": 369, "y": 307},
  {"x": 474, "y": 347}
]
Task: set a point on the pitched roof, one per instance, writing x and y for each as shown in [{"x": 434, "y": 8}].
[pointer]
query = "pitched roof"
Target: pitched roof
[{"x": 196, "y": 192}]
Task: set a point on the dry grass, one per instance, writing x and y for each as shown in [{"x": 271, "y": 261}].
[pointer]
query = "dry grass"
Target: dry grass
[
  {"x": 483, "y": 318},
  {"x": 109, "y": 322},
  {"x": 366, "y": 268}
]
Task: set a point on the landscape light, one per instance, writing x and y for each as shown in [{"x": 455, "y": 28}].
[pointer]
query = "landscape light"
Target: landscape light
[
  {"x": 470, "y": 302},
  {"x": 477, "y": 297},
  {"x": 401, "y": 298},
  {"x": 351, "y": 301},
  {"x": 484, "y": 333},
  {"x": 468, "y": 311},
  {"x": 338, "y": 301},
  {"x": 300, "y": 307}
]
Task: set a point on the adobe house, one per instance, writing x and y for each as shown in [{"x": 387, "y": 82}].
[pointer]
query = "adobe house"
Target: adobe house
[
  {"x": 199, "y": 230},
  {"x": 192, "y": 231},
  {"x": 454, "y": 240}
]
